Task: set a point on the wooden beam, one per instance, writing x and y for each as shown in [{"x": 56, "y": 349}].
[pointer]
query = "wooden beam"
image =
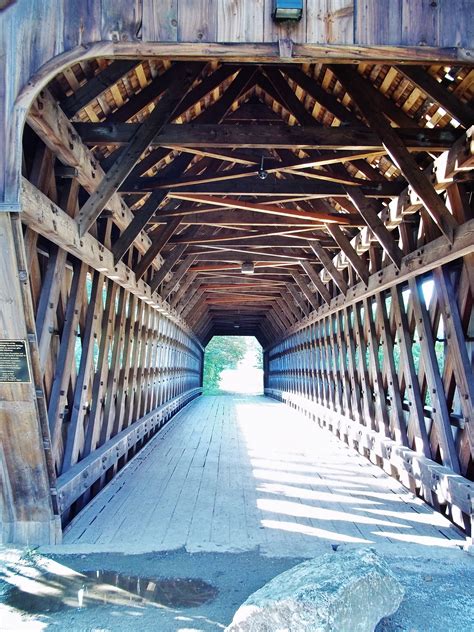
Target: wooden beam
[
  {"x": 285, "y": 95},
  {"x": 320, "y": 217},
  {"x": 352, "y": 256},
  {"x": 461, "y": 363},
  {"x": 75, "y": 432},
  {"x": 269, "y": 52},
  {"x": 65, "y": 358},
  {"x": 458, "y": 159},
  {"x": 138, "y": 222},
  {"x": 247, "y": 253},
  {"x": 230, "y": 220},
  {"x": 51, "y": 124},
  {"x": 52, "y": 281},
  {"x": 169, "y": 262},
  {"x": 160, "y": 238},
  {"x": 316, "y": 280},
  {"x": 376, "y": 225},
  {"x": 305, "y": 289},
  {"x": 177, "y": 276},
  {"x": 329, "y": 266},
  {"x": 397, "y": 149},
  {"x": 435, "y": 384},
  {"x": 297, "y": 298},
  {"x": 262, "y": 136},
  {"x": 183, "y": 288},
  {"x": 245, "y": 235},
  {"x": 285, "y": 188}
]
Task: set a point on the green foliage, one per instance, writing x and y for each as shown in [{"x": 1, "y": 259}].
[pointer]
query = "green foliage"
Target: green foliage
[
  {"x": 223, "y": 352},
  {"x": 254, "y": 347}
]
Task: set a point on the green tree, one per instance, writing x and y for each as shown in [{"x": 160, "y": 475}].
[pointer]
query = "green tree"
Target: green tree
[{"x": 222, "y": 352}]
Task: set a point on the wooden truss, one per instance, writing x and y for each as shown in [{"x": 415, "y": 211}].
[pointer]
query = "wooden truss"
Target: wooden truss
[{"x": 148, "y": 183}]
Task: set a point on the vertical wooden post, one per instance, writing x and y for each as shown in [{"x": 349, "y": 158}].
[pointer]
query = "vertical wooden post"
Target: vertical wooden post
[{"x": 26, "y": 480}]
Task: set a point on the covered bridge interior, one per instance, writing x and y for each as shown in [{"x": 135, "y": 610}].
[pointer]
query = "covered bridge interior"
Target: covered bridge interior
[{"x": 321, "y": 203}]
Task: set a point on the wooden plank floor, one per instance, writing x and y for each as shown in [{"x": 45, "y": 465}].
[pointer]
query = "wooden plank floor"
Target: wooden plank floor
[{"x": 233, "y": 473}]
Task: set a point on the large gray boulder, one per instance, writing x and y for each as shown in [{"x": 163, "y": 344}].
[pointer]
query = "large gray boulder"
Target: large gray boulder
[{"x": 345, "y": 591}]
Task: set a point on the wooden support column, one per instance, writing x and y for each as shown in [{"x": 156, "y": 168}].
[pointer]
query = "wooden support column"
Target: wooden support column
[{"x": 26, "y": 473}]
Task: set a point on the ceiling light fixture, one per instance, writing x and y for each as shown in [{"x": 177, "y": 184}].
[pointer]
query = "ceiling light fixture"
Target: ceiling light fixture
[
  {"x": 262, "y": 174},
  {"x": 248, "y": 267},
  {"x": 287, "y": 10}
]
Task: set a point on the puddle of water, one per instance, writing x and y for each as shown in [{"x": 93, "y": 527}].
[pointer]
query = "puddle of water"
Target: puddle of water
[{"x": 53, "y": 593}]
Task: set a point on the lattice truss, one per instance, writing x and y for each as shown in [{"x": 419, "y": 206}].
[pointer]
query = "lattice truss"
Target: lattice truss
[{"x": 148, "y": 183}]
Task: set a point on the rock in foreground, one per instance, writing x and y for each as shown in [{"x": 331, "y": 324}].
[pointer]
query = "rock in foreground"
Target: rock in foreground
[{"x": 346, "y": 591}]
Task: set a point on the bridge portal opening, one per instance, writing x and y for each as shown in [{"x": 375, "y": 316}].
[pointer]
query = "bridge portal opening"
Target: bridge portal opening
[{"x": 233, "y": 364}]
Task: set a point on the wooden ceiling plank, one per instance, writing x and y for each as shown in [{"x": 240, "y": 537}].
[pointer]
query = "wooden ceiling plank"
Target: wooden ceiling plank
[
  {"x": 242, "y": 83},
  {"x": 183, "y": 78},
  {"x": 207, "y": 85},
  {"x": 144, "y": 98},
  {"x": 462, "y": 112},
  {"x": 380, "y": 102},
  {"x": 327, "y": 100},
  {"x": 288, "y": 97},
  {"x": 149, "y": 161},
  {"x": 96, "y": 85},
  {"x": 399, "y": 153}
]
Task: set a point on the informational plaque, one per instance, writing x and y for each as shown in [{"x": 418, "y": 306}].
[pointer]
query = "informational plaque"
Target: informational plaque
[{"x": 14, "y": 362}]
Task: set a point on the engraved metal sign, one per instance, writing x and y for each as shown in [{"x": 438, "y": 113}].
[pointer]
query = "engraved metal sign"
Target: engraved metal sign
[{"x": 14, "y": 362}]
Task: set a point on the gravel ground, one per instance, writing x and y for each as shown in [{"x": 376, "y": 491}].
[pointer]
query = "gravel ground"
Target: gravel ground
[{"x": 439, "y": 590}]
